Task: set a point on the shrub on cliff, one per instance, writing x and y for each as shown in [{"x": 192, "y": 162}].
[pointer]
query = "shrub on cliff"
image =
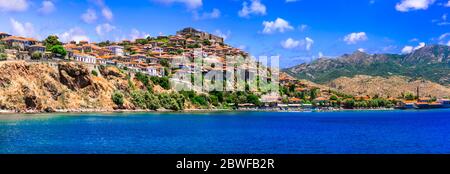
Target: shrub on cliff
[
  {"x": 145, "y": 100},
  {"x": 3, "y": 56},
  {"x": 171, "y": 101},
  {"x": 94, "y": 73},
  {"x": 117, "y": 98},
  {"x": 161, "y": 81}
]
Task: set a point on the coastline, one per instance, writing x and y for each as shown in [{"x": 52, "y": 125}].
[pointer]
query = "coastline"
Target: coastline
[{"x": 75, "y": 111}]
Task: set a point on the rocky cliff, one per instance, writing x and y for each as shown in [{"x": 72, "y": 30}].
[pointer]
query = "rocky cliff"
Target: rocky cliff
[{"x": 62, "y": 86}]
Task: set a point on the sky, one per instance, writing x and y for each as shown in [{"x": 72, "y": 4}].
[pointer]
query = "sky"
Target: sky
[{"x": 296, "y": 30}]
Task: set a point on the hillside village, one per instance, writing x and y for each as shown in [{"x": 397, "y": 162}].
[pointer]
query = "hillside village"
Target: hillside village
[
  {"x": 153, "y": 56},
  {"x": 145, "y": 55}
]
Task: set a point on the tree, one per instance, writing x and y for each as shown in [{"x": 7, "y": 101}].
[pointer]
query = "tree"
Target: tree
[
  {"x": 2, "y": 48},
  {"x": 117, "y": 98},
  {"x": 59, "y": 51},
  {"x": 164, "y": 62},
  {"x": 168, "y": 102},
  {"x": 3, "y": 56},
  {"x": 206, "y": 42},
  {"x": 254, "y": 99},
  {"x": 151, "y": 101},
  {"x": 51, "y": 41},
  {"x": 313, "y": 94},
  {"x": 333, "y": 97},
  {"x": 201, "y": 100},
  {"x": 142, "y": 41},
  {"x": 104, "y": 44}
]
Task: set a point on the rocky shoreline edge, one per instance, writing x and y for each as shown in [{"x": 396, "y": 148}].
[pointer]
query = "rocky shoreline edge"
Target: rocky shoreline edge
[{"x": 184, "y": 111}]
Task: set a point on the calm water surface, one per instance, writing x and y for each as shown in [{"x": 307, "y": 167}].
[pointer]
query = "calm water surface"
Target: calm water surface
[{"x": 230, "y": 133}]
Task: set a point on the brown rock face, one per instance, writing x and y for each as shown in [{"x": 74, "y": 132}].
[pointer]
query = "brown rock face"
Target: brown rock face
[
  {"x": 74, "y": 76},
  {"x": 69, "y": 86},
  {"x": 111, "y": 72}
]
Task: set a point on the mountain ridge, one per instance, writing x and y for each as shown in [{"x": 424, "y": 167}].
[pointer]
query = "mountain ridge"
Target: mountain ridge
[{"x": 429, "y": 63}]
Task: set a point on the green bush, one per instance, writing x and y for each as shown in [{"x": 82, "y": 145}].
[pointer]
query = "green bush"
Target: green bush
[
  {"x": 59, "y": 50},
  {"x": 168, "y": 102},
  {"x": 201, "y": 100},
  {"x": 94, "y": 73},
  {"x": 151, "y": 101},
  {"x": 145, "y": 100},
  {"x": 161, "y": 81},
  {"x": 3, "y": 56},
  {"x": 117, "y": 98}
]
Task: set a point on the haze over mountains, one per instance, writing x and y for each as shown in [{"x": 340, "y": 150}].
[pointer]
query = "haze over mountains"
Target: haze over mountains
[{"x": 427, "y": 63}]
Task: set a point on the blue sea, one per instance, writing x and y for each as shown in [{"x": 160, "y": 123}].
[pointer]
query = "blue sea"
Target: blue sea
[{"x": 352, "y": 132}]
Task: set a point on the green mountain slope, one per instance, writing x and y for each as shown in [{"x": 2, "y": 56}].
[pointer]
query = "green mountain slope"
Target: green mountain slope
[{"x": 430, "y": 63}]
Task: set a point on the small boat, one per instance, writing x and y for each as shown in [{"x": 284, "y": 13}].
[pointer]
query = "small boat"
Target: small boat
[{"x": 445, "y": 103}]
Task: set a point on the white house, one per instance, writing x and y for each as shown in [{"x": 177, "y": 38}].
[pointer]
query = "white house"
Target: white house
[
  {"x": 116, "y": 50},
  {"x": 85, "y": 58},
  {"x": 153, "y": 70}
]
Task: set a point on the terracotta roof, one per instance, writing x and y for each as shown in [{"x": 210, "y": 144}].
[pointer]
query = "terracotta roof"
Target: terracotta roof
[
  {"x": 321, "y": 99},
  {"x": 19, "y": 38},
  {"x": 295, "y": 99}
]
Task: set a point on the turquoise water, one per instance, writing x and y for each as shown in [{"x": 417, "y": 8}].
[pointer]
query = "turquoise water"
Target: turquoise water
[{"x": 376, "y": 132}]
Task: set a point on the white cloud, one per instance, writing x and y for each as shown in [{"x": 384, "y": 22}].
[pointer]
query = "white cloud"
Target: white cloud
[
  {"x": 291, "y": 43},
  {"x": 409, "y": 49},
  {"x": 136, "y": 34},
  {"x": 448, "y": 4},
  {"x": 225, "y": 36},
  {"x": 279, "y": 25},
  {"x": 104, "y": 29},
  {"x": 191, "y": 4},
  {"x": 90, "y": 16},
  {"x": 309, "y": 43},
  {"x": 47, "y": 7},
  {"x": 105, "y": 10},
  {"x": 75, "y": 34},
  {"x": 320, "y": 54},
  {"x": 107, "y": 13},
  {"x": 214, "y": 14},
  {"x": 13, "y": 5},
  {"x": 421, "y": 45},
  {"x": 443, "y": 36},
  {"x": 354, "y": 38},
  {"x": 408, "y": 5},
  {"x": 303, "y": 27},
  {"x": 255, "y": 8},
  {"x": 292, "y": 0},
  {"x": 362, "y": 50},
  {"x": 22, "y": 29},
  {"x": 448, "y": 43}
]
